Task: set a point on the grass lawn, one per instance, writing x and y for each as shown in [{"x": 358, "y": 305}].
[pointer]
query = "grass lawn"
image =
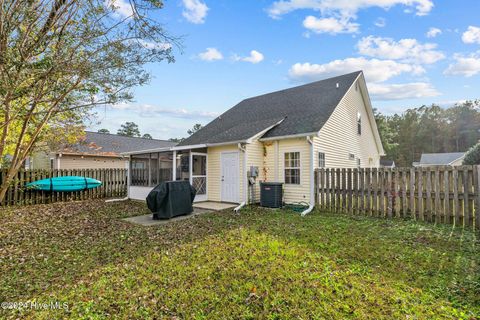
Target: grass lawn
[{"x": 260, "y": 264}]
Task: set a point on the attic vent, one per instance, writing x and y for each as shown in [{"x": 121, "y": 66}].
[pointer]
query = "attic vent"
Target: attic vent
[{"x": 338, "y": 85}]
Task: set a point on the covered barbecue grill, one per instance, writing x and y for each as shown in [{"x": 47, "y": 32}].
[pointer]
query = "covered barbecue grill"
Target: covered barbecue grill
[{"x": 171, "y": 199}]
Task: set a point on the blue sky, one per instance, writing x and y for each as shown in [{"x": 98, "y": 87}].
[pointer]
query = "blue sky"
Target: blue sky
[{"x": 413, "y": 52}]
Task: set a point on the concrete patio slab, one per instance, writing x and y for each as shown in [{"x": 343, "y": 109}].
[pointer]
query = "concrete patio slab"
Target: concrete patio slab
[
  {"x": 214, "y": 206},
  {"x": 147, "y": 220}
]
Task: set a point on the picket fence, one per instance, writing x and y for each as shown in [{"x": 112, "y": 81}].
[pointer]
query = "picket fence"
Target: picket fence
[
  {"x": 114, "y": 184},
  {"x": 448, "y": 195}
]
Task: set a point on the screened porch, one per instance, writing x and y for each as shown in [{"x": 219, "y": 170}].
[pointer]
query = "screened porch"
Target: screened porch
[{"x": 150, "y": 169}]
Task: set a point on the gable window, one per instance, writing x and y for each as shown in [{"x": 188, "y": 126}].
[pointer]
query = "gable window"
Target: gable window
[
  {"x": 359, "y": 123},
  {"x": 321, "y": 160},
  {"x": 292, "y": 168},
  {"x": 351, "y": 156}
]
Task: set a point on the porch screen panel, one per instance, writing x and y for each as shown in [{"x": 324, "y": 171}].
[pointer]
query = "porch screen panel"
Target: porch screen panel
[
  {"x": 165, "y": 167},
  {"x": 140, "y": 167}
]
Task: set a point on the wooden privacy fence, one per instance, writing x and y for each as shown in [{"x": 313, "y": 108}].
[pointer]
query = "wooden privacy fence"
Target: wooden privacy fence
[
  {"x": 114, "y": 184},
  {"x": 435, "y": 194}
]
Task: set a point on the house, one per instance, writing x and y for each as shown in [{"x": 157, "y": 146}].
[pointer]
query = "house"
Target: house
[
  {"x": 93, "y": 151},
  {"x": 385, "y": 163},
  {"x": 282, "y": 135},
  {"x": 440, "y": 159}
]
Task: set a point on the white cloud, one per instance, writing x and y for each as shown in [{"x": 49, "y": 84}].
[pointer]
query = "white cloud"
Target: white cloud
[
  {"x": 330, "y": 25},
  {"x": 211, "y": 54},
  {"x": 336, "y": 16},
  {"x": 121, "y": 8},
  {"x": 381, "y": 91},
  {"x": 147, "y": 110},
  {"x": 472, "y": 35},
  {"x": 380, "y": 22},
  {"x": 433, "y": 32},
  {"x": 464, "y": 65},
  {"x": 375, "y": 70},
  {"x": 345, "y": 7},
  {"x": 155, "y": 45},
  {"x": 254, "y": 57},
  {"x": 195, "y": 11},
  {"x": 406, "y": 50}
]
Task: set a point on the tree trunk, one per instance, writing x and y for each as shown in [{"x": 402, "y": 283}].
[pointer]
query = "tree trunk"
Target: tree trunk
[{"x": 3, "y": 189}]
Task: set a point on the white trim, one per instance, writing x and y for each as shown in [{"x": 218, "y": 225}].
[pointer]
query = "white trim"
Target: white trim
[
  {"x": 193, "y": 146},
  {"x": 204, "y": 196},
  {"x": 221, "y": 170},
  {"x": 290, "y": 136},
  {"x": 163, "y": 149},
  {"x": 275, "y": 160},
  {"x": 450, "y": 163},
  {"x": 369, "y": 109},
  {"x": 261, "y": 133},
  {"x": 299, "y": 168},
  {"x": 219, "y": 144},
  {"x": 174, "y": 169},
  {"x": 312, "y": 178}
]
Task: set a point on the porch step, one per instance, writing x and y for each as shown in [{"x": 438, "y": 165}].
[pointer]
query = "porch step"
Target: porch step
[{"x": 214, "y": 206}]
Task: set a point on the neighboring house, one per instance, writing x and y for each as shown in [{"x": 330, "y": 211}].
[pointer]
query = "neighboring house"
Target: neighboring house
[
  {"x": 284, "y": 134},
  {"x": 440, "y": 159},
  {"x": 94, "y": 151},
  {"x": 384, "y": 163}
]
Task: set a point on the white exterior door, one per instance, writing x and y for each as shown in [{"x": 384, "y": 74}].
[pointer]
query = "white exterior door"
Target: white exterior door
[{"x": 230, "y": 176}]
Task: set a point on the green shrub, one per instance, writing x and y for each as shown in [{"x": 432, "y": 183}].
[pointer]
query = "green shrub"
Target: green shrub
[{"x": 473, "y": 155}]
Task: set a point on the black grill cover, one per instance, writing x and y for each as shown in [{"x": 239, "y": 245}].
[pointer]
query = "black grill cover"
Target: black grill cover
[{"x": 171, "y": 199}]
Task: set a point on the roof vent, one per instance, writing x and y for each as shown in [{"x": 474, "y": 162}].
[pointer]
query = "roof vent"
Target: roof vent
[{"x": 338, "y": 85}]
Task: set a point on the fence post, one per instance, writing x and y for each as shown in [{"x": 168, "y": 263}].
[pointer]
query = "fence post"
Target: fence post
[
  {"x": 476, "y": 190},
  {"x": 361, "y": 208},
  {"x": 349, "y": 186},
  {"x": 411, "y": 189},
  {"x": 327, "y": 189}
]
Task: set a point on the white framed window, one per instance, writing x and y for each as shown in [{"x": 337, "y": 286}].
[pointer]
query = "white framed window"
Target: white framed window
[
  {"x": 292, "y": 167},
  {"x": 359, "y": 123},
  {"x": 321, "y": 160}
]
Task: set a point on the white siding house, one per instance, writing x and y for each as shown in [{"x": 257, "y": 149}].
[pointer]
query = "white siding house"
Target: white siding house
[{"x": 284, "y": 135}]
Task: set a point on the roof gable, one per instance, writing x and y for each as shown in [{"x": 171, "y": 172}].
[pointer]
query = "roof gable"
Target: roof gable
[{"x": 303, "y": 109}]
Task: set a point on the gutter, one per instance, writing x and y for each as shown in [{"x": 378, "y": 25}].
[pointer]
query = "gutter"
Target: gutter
[
  {"x": 290, "y": 136},
  {"x": 245, "y": 182},
  {"x": 312, "y": 183}
]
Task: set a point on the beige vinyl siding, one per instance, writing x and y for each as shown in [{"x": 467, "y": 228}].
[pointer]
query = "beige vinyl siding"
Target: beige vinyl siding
[
  {"x": 292, "y": 192},
  {"x": 268, "y": 172},
  {"x": 338, "y": 137},
  {"x": 90, "y": 162},
  {"x": 255, "y": 157},
  {"x": 214, "y": 173},
  {"x": 40, "y": 160}
]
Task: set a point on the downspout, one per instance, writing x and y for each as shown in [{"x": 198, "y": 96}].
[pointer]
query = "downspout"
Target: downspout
[
  {"x": 245, "y": 181},
  {"x": 312, "y": 183}
]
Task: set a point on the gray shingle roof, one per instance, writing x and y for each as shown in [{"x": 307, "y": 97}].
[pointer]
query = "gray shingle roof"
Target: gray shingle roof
[
  {"x": 386, "y": 163},
  {"x": 440, "y": 158},
  {"x": 304, "y": 109},
  {"x": 107, "y": 144}
]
